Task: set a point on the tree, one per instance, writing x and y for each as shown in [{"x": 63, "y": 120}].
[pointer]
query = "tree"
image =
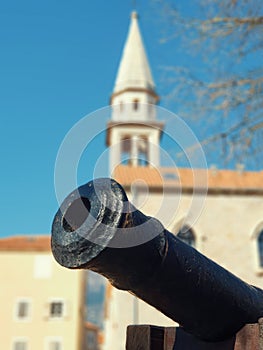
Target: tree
[{"x": 224, "y": 87}]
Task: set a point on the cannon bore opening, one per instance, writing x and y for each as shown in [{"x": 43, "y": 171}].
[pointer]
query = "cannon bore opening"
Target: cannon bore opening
[{"x": 76, "y": 214}]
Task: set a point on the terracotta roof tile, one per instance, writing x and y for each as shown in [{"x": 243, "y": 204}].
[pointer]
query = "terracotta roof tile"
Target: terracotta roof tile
[
  {"x": 186, "y": 178},
  {"x": 25, "y": 243}
]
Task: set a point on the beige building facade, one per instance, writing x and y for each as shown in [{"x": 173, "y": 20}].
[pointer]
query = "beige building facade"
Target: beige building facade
[
  {"x": 229, "y": 230},
  {"x": 42, "y": 304},
  {"x": 218, "y": 212}
]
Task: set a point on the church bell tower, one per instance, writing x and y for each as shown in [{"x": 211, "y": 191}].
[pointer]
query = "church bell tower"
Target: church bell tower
[{"x": 133, "y": 134}]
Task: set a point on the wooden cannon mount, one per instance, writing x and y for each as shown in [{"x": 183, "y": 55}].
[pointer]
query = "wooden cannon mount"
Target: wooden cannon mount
[
  {"x": 147, "y": 337},
  {"x": 97, "y": 228}
]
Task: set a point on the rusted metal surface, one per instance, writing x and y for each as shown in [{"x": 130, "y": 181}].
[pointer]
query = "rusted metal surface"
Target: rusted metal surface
[{"x": 97, "y": 228}]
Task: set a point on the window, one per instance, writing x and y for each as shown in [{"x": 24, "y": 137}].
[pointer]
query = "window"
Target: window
[
  {"x": 135, "y": 104},
  {"x": 125, "y": 149},
  {"x": 143, "y": 151},
  {"x": 55, "y": 345},
  {"x": 186, "y": 235},
  {"x": 260, "y": 248},
  {"x": 22, "y": 310},
  {"x": 56, "y": 309},
  {"x": 20, "y": 345}
]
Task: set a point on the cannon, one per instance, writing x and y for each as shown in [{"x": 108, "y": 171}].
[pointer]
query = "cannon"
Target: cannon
[{"x": 97, "y": 228}]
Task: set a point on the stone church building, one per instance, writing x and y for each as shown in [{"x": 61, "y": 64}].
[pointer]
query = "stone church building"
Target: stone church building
[{"x": 228, "y": 229}]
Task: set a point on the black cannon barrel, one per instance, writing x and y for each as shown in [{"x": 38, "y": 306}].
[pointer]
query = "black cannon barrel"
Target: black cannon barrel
[{"x": 97, "y": 228}]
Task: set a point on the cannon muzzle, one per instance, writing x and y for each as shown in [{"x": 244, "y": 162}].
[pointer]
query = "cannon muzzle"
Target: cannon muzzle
[{"x": 97, "y": 228}]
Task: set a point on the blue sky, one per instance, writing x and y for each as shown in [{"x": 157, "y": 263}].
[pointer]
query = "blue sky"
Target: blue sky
[{"x": 58, "y": 63}]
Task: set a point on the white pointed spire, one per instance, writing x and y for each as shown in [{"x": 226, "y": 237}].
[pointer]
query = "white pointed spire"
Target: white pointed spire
[
  {"x": 133, "y": 103},
  {"x": 134, "y": 70}
]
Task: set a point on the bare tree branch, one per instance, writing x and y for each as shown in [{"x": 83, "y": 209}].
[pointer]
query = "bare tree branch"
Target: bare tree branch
[{"x": 225, "y": 87}]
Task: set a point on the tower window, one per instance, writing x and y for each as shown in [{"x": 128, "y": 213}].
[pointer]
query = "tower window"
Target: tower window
[
  {"x": 187, "y": 236},
  {"x": 143, "y": 155},
  {"x": 125, "y": 149},
  {"x": 260, "y": 248},
  {"x": 136, "y": 104}
]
